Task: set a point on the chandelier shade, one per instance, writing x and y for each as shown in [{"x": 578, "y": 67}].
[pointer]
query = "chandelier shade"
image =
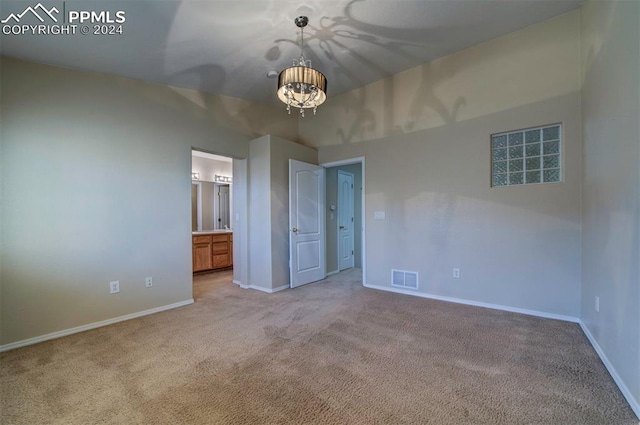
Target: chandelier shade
[
  {"x": 304, "y": 86},
  {"x": 300, "y": 85}
]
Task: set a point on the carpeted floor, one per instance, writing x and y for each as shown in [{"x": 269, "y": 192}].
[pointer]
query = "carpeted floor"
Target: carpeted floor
[{"x": 332, "y": 352}]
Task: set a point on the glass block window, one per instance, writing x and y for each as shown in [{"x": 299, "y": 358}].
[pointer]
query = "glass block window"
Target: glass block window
[{"x": 527, "y": 156}]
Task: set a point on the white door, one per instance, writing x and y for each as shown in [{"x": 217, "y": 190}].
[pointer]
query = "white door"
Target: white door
[
  {"x": 345, "y": 220},
  {"x": 306, "y": 223},
  {"x": 223, "y": 207}
]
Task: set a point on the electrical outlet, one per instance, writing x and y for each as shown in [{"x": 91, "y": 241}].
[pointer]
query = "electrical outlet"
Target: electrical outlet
[
  {"x": 148, "y": 281},
  {"x": 598, "y": 304},
  {"x": 114, "y": 287},
  {"x": 456, "y": 273}
]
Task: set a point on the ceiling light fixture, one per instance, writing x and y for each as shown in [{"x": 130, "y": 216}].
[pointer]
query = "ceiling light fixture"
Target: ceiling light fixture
[
  {"x": 300, "y": 85},
  {"x": 222, "y": 179}
]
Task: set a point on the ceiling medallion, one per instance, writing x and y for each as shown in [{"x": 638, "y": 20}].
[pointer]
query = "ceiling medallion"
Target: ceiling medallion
[{"x": 300, "y": 85}]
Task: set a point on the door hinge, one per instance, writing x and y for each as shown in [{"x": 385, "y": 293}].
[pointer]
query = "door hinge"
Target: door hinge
[
  {"x": 352, "y": 219},
  {"x": 351, "y": 185},
  {"x": 351, "y": 252}
]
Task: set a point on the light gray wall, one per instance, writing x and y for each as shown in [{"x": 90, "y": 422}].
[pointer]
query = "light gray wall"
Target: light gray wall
[
  {"x": 502, "y": 74},
  {"x": 260, "y": 213},
  {"x": 425, "y": 136},
  {"x": 96, "y": 186},
  {"x": 240, "y": 221},
  {"x": 611, "y": 182},
  {"x": 332, "y": 224}
]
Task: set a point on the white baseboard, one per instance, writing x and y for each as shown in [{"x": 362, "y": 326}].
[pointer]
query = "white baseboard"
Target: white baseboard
[
  {"x": 237, "y": 282},
  {"x": 477, "y": 303},
  {"x": 333, "y": 272},
  {"x": 59, "y": 334},
  {"x": 280, "y": 288},
  {"x": 268, "y": 290},
  {"x": 635, "y": 406}
]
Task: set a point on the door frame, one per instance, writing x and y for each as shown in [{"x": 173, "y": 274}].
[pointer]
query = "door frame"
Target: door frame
[
  {"x": 239, "y": 214},
  {"x": 358, "y": 160},
  {"x": 352, "y": 238}
]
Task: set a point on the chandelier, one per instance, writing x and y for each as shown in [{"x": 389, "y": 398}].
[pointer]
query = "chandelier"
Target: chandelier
[{"x": 300, "y": 85}]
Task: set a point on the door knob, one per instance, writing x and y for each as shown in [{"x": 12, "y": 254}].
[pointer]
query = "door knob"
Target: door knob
[
  {"x": 294, "y": 230},
  {"x": 341, "y": 227}
]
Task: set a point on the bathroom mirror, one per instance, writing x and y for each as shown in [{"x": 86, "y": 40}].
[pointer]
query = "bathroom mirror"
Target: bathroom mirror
[{"x": 210, "y": 206}]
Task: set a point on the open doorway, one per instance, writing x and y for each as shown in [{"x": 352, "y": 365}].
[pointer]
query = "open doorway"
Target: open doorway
[
  {"x": 212, "y": 209},
  {"x": 345, "y": 235},
  {"x": 345, "y": 215}
]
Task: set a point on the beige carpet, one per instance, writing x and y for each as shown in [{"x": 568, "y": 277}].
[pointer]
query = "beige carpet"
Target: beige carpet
[{"x": 327, "y": 353}]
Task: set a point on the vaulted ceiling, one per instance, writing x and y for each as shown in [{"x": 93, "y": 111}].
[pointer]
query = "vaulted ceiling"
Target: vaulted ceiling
[{"x": 229, "y": 46}]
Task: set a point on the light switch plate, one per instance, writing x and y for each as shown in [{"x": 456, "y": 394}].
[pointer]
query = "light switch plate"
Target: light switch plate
[{"x": 379, "y": 215}]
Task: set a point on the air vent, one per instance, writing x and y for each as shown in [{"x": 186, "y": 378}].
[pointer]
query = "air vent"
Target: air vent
[{"x": 404, "y": 279}]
